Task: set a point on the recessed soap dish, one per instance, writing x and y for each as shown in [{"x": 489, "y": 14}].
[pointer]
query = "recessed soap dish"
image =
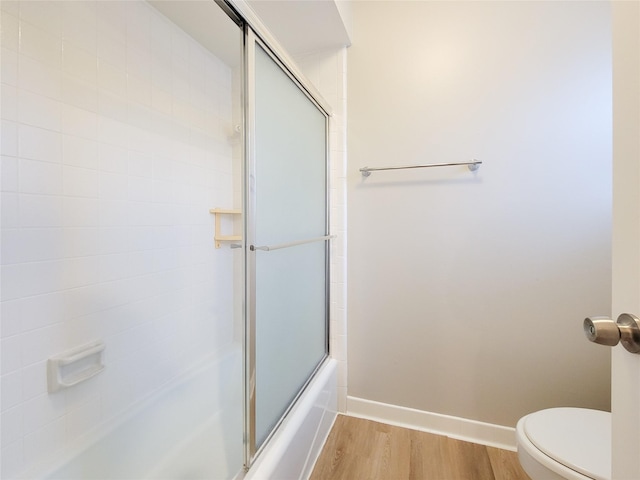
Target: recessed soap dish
[{"x": 74, "y": 366}]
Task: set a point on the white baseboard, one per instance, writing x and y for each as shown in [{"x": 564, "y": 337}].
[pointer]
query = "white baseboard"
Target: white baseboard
[{"x": 455, "y": 427}]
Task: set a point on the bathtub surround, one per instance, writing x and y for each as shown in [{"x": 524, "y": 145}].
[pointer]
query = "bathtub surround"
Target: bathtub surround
[
  {"x": 185, "y": 427},
  {"x": 467, "y": 291},
  {"x": 158, "y": 117},
  {"x": 117, "y": 139}
]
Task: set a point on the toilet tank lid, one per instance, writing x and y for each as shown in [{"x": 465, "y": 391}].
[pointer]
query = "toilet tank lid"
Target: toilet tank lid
[{"x": 578, "y": 438}]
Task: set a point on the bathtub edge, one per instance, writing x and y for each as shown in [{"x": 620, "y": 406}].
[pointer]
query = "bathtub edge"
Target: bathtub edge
[{"x": 294, "y": 448}]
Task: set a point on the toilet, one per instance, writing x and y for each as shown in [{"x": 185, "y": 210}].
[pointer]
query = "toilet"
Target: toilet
[{"x": 565, "y": 443}]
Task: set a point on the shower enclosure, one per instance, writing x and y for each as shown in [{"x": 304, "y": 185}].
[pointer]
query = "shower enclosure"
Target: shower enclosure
[
  {"x": 165, "y": 248},
  {"x": 288, "y": 235}
]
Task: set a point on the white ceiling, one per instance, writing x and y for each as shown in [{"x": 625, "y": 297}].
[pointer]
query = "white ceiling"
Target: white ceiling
[
  {"x": 300, "y": 26},
  {"x": 206, "y": 23},
  {"x": 303, "y": 26}
]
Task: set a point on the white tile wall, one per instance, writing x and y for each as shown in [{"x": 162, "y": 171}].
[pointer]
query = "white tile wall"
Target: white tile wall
[{"x": 114, "y": 148}]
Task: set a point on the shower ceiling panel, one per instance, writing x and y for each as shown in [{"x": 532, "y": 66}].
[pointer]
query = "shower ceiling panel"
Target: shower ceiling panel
[
  {"x": 204, "y": 24},
  {"x": 301, "y": 27}
]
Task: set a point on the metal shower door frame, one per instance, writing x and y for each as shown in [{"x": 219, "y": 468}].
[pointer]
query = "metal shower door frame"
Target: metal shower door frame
[{"x": 252, "y": 40}]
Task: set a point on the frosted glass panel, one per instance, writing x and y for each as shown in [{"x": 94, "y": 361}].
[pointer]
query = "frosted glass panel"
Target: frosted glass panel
[
  {"x": 290, "y": 327},
  {"x": 290, "y": 158},
  {"x": 290, "y": 189}
]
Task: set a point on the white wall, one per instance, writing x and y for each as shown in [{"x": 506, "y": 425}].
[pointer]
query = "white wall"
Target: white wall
[
  {"x": 115, "y": 145},
  {"x": 467, "y": 291}
]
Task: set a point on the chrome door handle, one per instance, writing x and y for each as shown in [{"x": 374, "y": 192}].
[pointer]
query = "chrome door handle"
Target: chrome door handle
[{"x": 625, "y": 330}]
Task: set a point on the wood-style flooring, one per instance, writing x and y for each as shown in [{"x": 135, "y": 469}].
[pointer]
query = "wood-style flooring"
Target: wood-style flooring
[{"x": 359, "y": 449}]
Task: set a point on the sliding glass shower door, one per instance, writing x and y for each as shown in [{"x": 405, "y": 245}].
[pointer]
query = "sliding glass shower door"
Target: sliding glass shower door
[{"x": 288, "y": 243}]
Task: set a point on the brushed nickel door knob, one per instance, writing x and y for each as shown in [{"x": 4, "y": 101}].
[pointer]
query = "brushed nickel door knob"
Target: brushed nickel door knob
[
  {"x": 601, "y": 330},
  {"x": 625, "y": 330}
]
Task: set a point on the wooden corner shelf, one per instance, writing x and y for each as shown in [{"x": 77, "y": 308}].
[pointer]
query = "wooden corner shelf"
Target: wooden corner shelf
[{"x": 219, "y": 237}]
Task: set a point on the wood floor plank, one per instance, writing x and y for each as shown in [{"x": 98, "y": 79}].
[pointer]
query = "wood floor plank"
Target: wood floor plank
[
  {"x": 427, "y": 454},
  {"x": 505, "y": 465},
  {"x": 379, "y": 457},
  {"x": 359, "y": 449},
  {"x": 469, "y": 460},
  {"x": 398, "y": 452},
  {"x": 339, "y": 453}
]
